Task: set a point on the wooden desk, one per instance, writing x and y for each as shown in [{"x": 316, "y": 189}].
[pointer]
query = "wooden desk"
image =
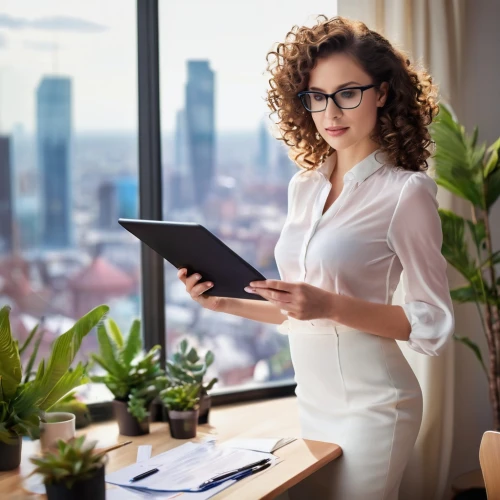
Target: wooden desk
[{"x": 270, "y": 418}]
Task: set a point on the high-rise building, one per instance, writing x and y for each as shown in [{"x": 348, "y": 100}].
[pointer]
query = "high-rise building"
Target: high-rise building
[
  {"x": 263, "y": 158},
  {"x": 117, "y": 198},
  {"x": 6, "y": 197},
  {"x": 200, "y": 127},
  {"x": 54, "y": 145},
  {"x": 180, "y": 181}
]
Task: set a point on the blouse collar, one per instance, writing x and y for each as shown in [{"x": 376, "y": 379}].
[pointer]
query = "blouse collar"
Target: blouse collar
[{"x": 361, "y": 171}]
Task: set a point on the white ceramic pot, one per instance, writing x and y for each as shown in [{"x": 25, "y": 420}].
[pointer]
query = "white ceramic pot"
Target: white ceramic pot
[{"x": 57, "y": 425}]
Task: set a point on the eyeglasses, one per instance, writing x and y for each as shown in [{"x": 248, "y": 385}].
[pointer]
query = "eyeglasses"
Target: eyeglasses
[{"x": 348, "y": 98}]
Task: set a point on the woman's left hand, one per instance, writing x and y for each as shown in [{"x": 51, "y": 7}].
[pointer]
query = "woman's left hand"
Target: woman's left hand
[{"x": 300, "y": 300}]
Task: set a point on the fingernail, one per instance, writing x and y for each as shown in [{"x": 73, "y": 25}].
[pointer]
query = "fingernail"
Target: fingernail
[
  {"x": 248, "y": 289},
  {"x": 210, "y": 285},
  {"x": 198, "y": 277}
]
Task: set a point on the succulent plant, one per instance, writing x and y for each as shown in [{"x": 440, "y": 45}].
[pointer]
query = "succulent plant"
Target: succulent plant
[
  {"x": 188, "y": 367},
  {"x": 132, "y": 376},
  {"x": 71, "y": 461},
  {"x": 181, "y": 397}
]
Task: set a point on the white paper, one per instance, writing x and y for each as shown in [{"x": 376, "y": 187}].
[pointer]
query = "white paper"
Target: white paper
[
  {"x": 266, "y": 445},
  {"x": 186, "y": 467},
  {"x": 144, "y": 452}
]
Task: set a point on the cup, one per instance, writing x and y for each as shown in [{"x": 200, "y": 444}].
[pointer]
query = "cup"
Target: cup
[{"x": 57, "y": 425}]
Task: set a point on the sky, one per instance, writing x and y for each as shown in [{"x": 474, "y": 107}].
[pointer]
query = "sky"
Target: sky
[{"x": 94, "y": 43}]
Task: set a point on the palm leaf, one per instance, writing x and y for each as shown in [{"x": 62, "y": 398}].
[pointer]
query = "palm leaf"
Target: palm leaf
[
  {"x": 28, "y": 340},
  {"x": 31, "y": 361},
  {"x": 115, "y": 333},
  {"x": 62, "y": 355},
  {"x": 10, "y": 363},
  {"x": 454, "y": 248},
  {"x": 69, "y": 381},
  {"x": 134, "y": 343},
  {"x": 492, "y": 188},
  {"x": 108, "y": 353},
  {"x": 458, "y": 165},
  {"x": 475, "y": 349}
]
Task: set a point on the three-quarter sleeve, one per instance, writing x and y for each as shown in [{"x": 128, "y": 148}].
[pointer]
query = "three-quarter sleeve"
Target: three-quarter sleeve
[{"x": 415, "y": 235}]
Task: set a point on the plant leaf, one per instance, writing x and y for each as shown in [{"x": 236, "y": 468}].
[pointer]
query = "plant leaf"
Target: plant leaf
[
  {"x": 32, "y": 359},
  {"x": 115, "y": 333},
  {"x": 108, "y": 352},
  {"x": 474, "y": 347},
  {"x": 28, "y": 340},
  {"x": 134, "y": 343},
  {"x": 10, "y": 363},
  {"x": 62, "y": 355}
]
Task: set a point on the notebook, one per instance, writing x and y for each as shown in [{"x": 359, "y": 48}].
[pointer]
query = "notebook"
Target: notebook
[{"x": 266, "y": 445}]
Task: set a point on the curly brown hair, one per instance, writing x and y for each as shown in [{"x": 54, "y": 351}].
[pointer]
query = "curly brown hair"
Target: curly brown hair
[{"x": 401, "y": 130}]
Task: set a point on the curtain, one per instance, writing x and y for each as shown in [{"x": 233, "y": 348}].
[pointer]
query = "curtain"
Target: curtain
[{"x": 431, "y": 32}]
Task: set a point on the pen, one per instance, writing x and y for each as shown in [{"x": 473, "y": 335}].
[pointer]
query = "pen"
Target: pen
[
  {"x": 144, "y": 474},
  {"x": 230, "y": 473}
]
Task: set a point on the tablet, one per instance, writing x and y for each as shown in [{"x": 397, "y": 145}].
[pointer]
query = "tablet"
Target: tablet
[{"x": 190, "y": 245}]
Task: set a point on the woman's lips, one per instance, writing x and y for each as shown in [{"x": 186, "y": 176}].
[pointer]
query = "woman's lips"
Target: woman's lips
[{"x": 336, "y": 133}]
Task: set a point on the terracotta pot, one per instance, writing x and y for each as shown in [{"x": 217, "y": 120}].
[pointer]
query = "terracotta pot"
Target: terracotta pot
[
  {"x": 183, "y": 424},
  {"x": 10, "y": 454},
  {"x": 127, "y": 424},
  {"x": 94, "y": 488},
  {"x": 205, "y": 404}
]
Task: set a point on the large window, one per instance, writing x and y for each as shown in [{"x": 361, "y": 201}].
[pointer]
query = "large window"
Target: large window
[
  {"x": 222, "y": 167},
  {"x": 68, "y": 165}
]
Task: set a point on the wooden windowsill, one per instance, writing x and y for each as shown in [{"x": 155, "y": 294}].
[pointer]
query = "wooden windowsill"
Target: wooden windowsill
[{"x": 269, "y": 418}]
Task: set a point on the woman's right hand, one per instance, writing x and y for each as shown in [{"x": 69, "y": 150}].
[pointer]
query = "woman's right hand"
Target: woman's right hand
[{"x": 196, "y": 290}]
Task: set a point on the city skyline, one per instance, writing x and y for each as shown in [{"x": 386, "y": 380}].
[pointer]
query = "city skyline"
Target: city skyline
[{"x": 87, "y": 42}]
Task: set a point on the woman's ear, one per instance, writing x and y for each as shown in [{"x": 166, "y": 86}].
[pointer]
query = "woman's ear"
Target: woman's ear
[{"x": 382, "y": 94}]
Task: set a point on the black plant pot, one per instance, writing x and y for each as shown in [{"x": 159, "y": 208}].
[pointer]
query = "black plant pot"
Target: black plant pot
[
  {"x": 10, "y": 454},
  {"x": 127, "y": 424},
  {"x": 183, "y": 424},
  {"x": 94, "y": 488},
  {"x": 205, "y": 404}
]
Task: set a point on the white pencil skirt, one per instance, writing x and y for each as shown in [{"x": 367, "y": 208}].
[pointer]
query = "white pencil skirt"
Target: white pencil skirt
[{"x": 357, "y": 390}]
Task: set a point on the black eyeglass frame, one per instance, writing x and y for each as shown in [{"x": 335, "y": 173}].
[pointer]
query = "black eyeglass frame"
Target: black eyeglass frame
[{"x": 332, "y": 96}]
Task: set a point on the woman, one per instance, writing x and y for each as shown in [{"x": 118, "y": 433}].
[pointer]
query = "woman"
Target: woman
[{"x": 354, "y": 112}]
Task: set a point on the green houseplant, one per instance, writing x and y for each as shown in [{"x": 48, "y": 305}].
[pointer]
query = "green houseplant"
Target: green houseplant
[
  {"x": 472, "y": 172},
  {"x": 188, "y": 368},
  {"x": 22, "y": 404},
  {"x": 73, "y": 471},
  {"x": 182, "y": 403},
  {"x": 134, "y": 378}
]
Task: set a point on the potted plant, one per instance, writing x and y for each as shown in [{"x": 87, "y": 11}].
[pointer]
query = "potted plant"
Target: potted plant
[
  {"x": 188, "y": 368},
  {"x": 182, "y": 403},
  {"x": 134, "y": 378},
  {"x": 472, "y": 172},
  {"x": 73, "y": 471},
  {"x": 23, "y": 403}
]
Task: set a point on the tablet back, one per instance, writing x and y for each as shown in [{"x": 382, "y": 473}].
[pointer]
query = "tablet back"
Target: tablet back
[{"x": 190, "y": 245}]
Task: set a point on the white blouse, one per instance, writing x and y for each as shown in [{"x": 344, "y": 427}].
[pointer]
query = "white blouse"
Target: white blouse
[{"x": 385, "y": 221}]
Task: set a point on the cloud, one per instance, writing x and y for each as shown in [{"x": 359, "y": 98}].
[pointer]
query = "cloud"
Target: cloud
[
  {"x": 40, "y": 45},
  {"x": 55, "y": 23}
]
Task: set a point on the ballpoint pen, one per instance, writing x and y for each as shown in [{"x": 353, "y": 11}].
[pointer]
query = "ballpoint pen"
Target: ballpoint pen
[
  {"x": 231, "y": 473},
  {"x": 144, "y": 474}
]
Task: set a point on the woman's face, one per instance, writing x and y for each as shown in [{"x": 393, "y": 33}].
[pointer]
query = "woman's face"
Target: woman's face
[{"x": 336, "y": 72}]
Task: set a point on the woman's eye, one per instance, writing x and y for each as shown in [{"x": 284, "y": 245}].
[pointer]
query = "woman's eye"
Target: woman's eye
[
  {"x": 347, "y": 94},
  {"x": 318, "y": 97}
]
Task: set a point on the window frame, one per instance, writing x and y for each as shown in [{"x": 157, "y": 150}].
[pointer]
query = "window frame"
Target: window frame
[{"x": 151, "y": 207}]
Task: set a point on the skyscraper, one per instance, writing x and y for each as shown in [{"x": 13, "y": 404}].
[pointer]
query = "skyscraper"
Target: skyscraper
[
  {"x": 6, "y": 197},
  {"x": 117, "y": 198},
  {"x": 54, "y": 141},
  {"x": 180, "y": 182},
  {"x": 263, "y": 163},
  {"x": 200, "y": 127}
]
